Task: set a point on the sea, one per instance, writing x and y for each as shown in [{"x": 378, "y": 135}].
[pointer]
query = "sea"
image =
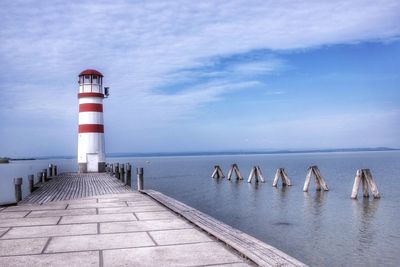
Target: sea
[{"x": 319, "y": 228}]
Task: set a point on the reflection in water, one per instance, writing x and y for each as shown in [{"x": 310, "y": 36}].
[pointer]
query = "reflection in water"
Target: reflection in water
[
  {"x": 314, "y": 205},
  {"x": 282, "y": 194},
  {"x": 364, "y": 211}
]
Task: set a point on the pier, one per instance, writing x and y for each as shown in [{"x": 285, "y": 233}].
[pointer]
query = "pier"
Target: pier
[{"x": 96, "y": 220}]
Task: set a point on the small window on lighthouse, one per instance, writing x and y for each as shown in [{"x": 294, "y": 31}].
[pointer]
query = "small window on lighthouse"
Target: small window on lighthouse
[
  {"x": 94, "y": 79},
  {"x": 87, "y": 79}
]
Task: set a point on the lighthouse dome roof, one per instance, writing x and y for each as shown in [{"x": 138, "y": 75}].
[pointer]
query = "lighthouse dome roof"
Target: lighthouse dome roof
[{"x": 90, "y": 72}]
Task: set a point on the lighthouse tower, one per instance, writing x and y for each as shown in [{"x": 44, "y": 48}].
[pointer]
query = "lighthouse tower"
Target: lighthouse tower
[{"x": 91, "y": 150}]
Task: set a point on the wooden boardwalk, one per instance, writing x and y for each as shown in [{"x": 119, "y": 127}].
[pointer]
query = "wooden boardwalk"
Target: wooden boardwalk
[
  {"x": 95, "y": 220},
  {"x": 74, "y": 186}
]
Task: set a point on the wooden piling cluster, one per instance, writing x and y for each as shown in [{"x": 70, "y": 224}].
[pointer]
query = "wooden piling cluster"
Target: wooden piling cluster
[
  {"x": 257, "y": 174},
  {"x": 363, "y": 176},
  {"x": 52, "y": 170},
  {"x": 234, "y": 169},
  {"x": 42, "y": 177},
  {"x": 217, "y": 173},
  {"x": 319, "y": 180},
  {"x": 120, "y": 171},
  {"x": 123, "y": 172},
  {"x": 281, "y": 173}
]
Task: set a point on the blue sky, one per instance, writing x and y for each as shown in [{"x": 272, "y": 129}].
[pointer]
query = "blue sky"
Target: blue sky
[{"x": 213, "y": 75}]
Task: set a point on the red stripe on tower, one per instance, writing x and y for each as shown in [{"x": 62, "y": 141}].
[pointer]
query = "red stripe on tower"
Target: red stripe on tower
[
  {"x": 91, "y": 128},
  {"x": 81, "y": 95},
  {"x": 87, "y": 107}
]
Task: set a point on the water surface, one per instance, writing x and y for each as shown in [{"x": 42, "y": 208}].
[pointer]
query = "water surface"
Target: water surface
[{"x": 318, "y": 228}]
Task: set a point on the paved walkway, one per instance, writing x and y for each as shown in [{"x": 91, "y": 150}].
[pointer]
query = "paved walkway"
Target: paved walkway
[{"x": 125, "y": 229}]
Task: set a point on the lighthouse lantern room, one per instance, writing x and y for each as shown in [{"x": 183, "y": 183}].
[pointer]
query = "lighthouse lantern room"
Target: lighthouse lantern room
[{"x": 91, "y": 150}]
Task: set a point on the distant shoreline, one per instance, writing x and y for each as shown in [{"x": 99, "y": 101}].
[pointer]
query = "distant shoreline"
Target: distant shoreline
[{"x": 222, "y": 153}]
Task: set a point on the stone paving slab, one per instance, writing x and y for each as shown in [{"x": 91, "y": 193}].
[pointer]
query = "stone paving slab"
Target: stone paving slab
[
  {"x": 28, "y": 221},
  {"x": 75, "y": 259},
  {"x": 156, "y": 215},
  {"x": 138, "y": 226},
  {"x": 53, "y": 230},
  {"x": 73, "y": 201},
  {"x": 182, "y": 255},
  {"x": 182, "y": 236},
  {"x": 99, "y": 242},
  {"x": 11, "y": 215},
  {"x": 132, "y": 209},
  {"x": 119, "y": 195},
  {"x": 22, "y": 246},
  {"x": 122, "y": 199},
  {"x": 98, "y": 218},
  {"x": 51, "y": 213},
  {"x": 36, "y": 207},
  {"x": 96, "y": 205}
]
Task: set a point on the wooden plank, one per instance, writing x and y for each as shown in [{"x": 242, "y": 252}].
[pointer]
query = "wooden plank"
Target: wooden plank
[
  {"x": 307, "y": 181},
  {"x": 371, "y": 183},
  {"x": 251, "y": 174},
  {"x": 356, "y": 184},
  {"x": 276, "y": 179},
  {"x": 237, "y": 172}
]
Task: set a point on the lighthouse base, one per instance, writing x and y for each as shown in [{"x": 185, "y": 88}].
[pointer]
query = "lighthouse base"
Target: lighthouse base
[{"x": 82, "y": 167}]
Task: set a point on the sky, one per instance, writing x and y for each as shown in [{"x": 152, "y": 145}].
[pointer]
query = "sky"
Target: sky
[{"x": 190, "y": 76}]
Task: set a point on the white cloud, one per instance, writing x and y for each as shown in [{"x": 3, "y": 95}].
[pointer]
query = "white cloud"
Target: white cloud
[{"x": 141, "y": 46}]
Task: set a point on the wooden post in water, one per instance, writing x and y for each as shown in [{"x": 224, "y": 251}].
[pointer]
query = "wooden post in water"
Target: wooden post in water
[
  {"x": 116, "y": 171},
  {"x": 357, "y": 181},
  {"x": 364, "y": 177},
  {"x": 110, "y": 169},
  {"x": 31, "y": 180},
  {"x": 140, "y": 182},
  {"x": 50, "y": 173},
  {"x": 319, "y": 180},
  {"x": 257, "y": 174},
  {"x": 44, "y": 175},
  {"x": 122, "y": 173},
  {"x": 217, "y": 173},
  {"x": 18, "y": 189},
  {"x": 371, "y": 183},
  {"x": 128, "y": 174},
  {"x": 234, "y": 168},
  {"x": 281, "y": 173},
  {"x": 55, "y": 170}
]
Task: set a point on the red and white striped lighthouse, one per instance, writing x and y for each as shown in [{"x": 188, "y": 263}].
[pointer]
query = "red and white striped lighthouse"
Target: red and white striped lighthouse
[{"x": 91, "y": 150}]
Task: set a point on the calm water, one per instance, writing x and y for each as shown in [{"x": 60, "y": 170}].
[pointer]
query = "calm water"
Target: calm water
[{"x": 318, "y": 228}]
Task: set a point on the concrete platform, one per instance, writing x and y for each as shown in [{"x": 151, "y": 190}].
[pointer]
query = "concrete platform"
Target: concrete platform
[{"x": 124, "y": 229}]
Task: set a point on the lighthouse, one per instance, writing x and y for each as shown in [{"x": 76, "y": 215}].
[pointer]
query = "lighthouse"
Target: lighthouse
[{"x": 91, "y": 149}]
